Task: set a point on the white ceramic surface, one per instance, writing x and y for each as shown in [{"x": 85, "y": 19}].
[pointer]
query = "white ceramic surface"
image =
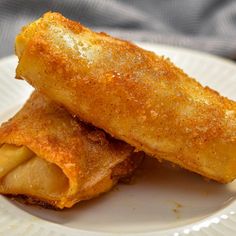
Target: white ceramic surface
[{"x": 161, "y": 201}]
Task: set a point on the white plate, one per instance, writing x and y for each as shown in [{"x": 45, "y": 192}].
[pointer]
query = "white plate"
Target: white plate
[{"x": 161, "y": 201}]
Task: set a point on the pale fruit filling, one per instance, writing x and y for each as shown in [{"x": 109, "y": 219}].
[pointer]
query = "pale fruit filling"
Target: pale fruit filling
[{"x": 23, "y": 172}]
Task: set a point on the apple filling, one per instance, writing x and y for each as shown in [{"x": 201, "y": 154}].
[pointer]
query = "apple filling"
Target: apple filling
[{"x": 23, "y": 172}]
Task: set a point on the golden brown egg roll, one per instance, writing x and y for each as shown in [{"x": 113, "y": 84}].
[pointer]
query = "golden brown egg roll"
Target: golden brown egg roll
[
  {"x": 131, "y": 93},
  {"x": 51, "y": 159}
]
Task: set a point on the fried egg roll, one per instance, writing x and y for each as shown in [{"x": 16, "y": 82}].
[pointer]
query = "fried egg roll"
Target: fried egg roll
[
  {"x": 51, "y": 159},
  {"x": 132, "y": 94}
]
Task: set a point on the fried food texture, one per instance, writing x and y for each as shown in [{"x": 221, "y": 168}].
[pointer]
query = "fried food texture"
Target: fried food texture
[
  {"x": 52, "y": 159},
  {"x": 132, "y": 94}
]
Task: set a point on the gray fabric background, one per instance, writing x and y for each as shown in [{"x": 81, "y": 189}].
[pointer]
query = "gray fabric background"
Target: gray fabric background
[{"x": 207, "y": 25}]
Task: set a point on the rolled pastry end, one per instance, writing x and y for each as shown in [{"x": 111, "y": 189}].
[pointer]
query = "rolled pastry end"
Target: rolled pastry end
[
  {"x": 23, "y": 172},
  {"x": 29, "y": 178}
]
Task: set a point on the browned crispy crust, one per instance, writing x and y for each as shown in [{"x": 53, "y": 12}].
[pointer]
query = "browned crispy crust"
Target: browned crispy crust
[
  {"x": 87, "y": 156},
  {"x": 131, "y": 93}
]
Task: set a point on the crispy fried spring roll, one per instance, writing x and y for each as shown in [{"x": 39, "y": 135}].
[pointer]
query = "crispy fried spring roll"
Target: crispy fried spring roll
[
  {"x": 131, "y": 93},
  {"x": 54, "y": 160}
]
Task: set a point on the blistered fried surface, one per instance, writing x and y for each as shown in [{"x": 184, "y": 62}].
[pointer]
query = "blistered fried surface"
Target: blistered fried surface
[
  {"x": 131, "y": 93},
  {"x": 86, "y": 155}
]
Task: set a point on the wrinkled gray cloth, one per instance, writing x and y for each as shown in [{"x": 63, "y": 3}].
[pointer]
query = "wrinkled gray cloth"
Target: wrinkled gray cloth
[{"x": 207, "y": 25}]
